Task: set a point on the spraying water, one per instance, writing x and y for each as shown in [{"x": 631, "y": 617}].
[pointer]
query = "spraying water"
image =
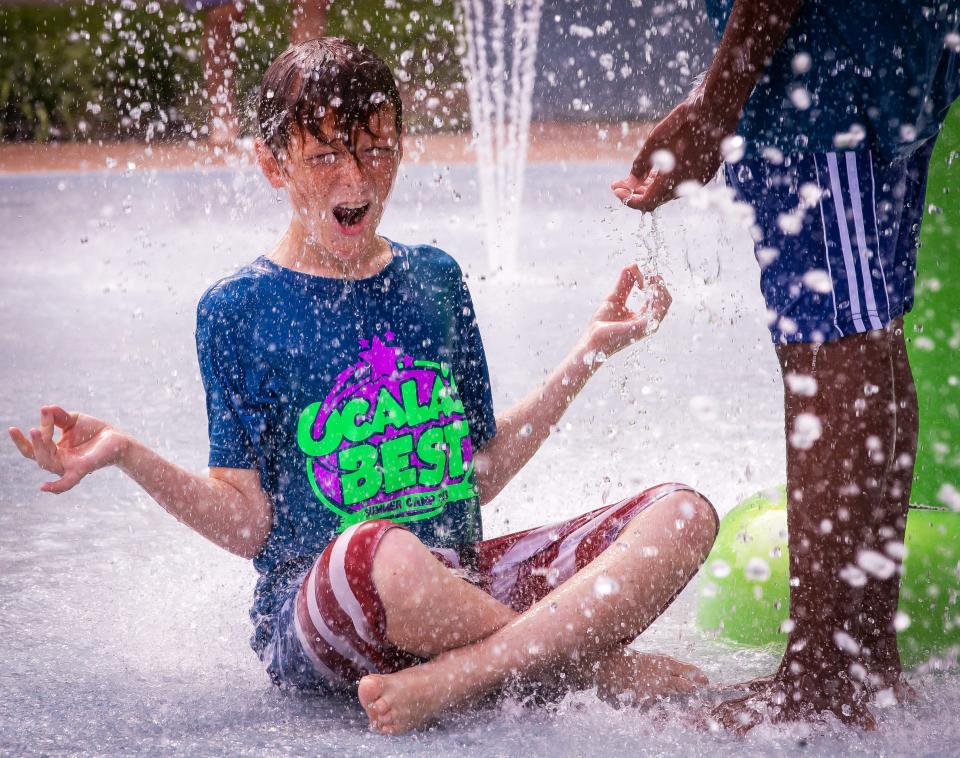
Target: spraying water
[{"x": 500, "y": 43}]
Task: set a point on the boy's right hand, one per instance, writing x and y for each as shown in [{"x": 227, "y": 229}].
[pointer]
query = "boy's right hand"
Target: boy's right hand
[{"x": 86, "y": 444}]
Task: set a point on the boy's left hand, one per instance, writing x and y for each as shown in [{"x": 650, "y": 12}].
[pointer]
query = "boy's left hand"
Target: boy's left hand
[{"x": 615, "y": 326}]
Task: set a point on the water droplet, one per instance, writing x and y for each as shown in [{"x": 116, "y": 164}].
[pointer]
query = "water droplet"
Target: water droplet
[
  {"x": 853, "y": 576},
  {"x": 801, "y": 63},
  {"x": 663, "y": 161},
  {"x": 818, "y": 280},
  {"x": 885, "y": 698},
  {"x": 876, "y": 564},
  {"x": 720, "y": 569},
  {"x": 605, "y": 586},
  {"x": 901, "y": 621},
  {"x": 807, "y": 429},
  {"x": 949, "y": 496},
  {"x": 757, "y": 570},
  {"x": 845, "y": 642}
]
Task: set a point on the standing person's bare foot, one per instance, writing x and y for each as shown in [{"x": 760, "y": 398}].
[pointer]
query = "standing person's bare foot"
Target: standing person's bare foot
[{"x": 801, "y": 700}]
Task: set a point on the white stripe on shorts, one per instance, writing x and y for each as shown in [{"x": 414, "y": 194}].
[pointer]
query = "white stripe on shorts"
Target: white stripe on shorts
[
  {"x": 848, "y": 264},
  {"x": 876, "y": 232},
  {"x": 319, "y": 666},
  {"x": 826, "y": 246},
  {"x": 866, "y": 274},
  {"x": 341, "y": 585},
  {"x": 335, "y": 641}
]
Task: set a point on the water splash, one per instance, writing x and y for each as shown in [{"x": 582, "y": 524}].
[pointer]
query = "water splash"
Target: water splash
[
  {"x": 500, "y": 43},
  {"x": 651, "y": 247}
]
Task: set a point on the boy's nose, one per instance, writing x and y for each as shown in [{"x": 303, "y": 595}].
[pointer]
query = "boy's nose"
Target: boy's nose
[{"x": 352, "y": 172}]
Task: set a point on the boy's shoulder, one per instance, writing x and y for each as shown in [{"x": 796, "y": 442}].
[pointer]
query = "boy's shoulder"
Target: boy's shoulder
[
  {"x": 234, "y": 292},
  {"x": 234, "y": 297},
  {"x": 426, "y": 258}
]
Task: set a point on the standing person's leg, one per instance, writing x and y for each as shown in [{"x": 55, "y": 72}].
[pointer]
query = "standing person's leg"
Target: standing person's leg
[
  {"x": 901, "y": 216},
  {"x": 850, "y": 411},
  {"x": 841, "y": 530},
  {"x": 884, "y": 533},
  {"x": 309, "y": 20},
  {"x": 602, "y": 607},
  {"x": 845, "y": 535},
  {"x": 218, "y": 70}
]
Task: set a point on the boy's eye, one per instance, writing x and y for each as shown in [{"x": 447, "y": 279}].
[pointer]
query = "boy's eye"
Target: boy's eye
[
  {"x": 378, "y": 152},
  {"x": 326, "y": 159}
]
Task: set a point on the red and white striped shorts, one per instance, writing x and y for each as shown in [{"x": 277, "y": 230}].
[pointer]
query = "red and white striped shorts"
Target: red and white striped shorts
[{"x": 332, "y": 632}]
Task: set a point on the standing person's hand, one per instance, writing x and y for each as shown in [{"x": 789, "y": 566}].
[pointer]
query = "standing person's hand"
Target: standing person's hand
[
  {"x": 691, "y": 134},
  {"x": 85, "y": 445},
  {"x": 690, "y": 138},
  {"x": 615, "y": 325}
]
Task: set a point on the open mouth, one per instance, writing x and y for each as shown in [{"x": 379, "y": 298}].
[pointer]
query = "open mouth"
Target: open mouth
[{"x": 350, "y": 214}]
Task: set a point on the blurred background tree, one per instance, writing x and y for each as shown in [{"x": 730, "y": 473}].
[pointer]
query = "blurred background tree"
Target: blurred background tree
[{"x": 115, "y": 70}]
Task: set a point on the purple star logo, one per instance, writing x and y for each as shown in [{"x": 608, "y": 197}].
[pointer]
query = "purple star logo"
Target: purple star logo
[{"x": 381, "y": 358}]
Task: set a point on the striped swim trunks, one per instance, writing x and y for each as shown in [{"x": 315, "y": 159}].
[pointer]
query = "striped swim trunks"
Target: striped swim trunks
[
  {"x": 836, "y": 238},
  {"x": 331, "y": 630}
]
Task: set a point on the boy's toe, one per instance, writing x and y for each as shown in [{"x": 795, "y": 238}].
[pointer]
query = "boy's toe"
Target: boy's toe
[{"x": 369, "y": 690}]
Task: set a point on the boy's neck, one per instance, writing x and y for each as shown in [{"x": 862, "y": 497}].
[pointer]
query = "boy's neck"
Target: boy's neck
[{"x": 298, "y": 252}]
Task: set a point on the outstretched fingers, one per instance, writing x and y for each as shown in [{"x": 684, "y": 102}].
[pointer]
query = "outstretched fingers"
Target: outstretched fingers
[
  {"x": 45, "y": 450},
  {"x": 22, "y": 443},
  {"x": 40, "y": 446}
]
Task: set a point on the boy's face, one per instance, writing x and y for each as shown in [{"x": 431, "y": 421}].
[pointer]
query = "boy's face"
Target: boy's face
[{"x": 338, "y": 196}]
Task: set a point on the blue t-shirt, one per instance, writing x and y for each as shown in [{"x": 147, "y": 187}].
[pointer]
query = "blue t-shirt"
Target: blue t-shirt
[
  {"x": 885, "y": 66},
  {"x": 354, "y": 400}
]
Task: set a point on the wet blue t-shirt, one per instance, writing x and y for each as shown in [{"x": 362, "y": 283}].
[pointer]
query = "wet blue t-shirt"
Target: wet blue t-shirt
[
  {"x": 886, "y": 66},
  {"x": 354, "y": 400}
]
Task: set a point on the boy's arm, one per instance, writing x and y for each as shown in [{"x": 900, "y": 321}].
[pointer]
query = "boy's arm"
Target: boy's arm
[
  {"x": 228, "y": 507},
  {"x": 524, "y": 428},
  {"x": 693, "y": 131}
]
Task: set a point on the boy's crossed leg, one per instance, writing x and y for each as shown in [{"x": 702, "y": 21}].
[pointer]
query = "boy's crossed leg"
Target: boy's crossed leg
[
  {"x": 377, "y": 601},
  {"x": 576, "y": 632}
]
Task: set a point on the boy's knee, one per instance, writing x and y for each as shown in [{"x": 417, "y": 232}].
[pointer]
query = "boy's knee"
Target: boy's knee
[
  {"x": 397, "y": 563},
  {"x": 696, "y": 518}
]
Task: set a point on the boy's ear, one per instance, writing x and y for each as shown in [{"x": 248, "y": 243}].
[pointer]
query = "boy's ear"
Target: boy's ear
[{"x": 269, "y": 164}]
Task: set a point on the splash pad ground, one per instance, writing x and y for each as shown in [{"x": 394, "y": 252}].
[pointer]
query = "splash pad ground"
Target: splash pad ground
[{"x": 121, "y": 631}]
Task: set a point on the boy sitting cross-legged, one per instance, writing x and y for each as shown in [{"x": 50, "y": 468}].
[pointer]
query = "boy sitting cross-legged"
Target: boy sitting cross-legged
[{"x": 353, "y": 440}]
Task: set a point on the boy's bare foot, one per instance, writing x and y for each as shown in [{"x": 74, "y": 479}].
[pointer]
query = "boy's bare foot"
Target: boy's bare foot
[
  {"x": 409, "y": 699},
  {"x": 631, "y": 678}
]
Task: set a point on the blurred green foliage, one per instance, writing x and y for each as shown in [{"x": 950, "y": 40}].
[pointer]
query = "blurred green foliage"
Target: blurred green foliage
[{"x": 122, "y": 69}]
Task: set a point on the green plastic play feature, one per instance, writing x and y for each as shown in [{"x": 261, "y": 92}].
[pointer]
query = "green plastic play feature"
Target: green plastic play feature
[
  {"x": 933, "y": 327},
  {"x": 744, "y": 592}
]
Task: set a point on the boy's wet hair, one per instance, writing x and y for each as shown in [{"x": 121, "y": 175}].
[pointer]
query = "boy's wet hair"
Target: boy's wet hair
[{"x": 313, "y": 78}]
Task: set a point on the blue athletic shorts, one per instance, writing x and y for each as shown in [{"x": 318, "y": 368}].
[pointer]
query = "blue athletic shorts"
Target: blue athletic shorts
[{"x": 836, "y": 238}]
